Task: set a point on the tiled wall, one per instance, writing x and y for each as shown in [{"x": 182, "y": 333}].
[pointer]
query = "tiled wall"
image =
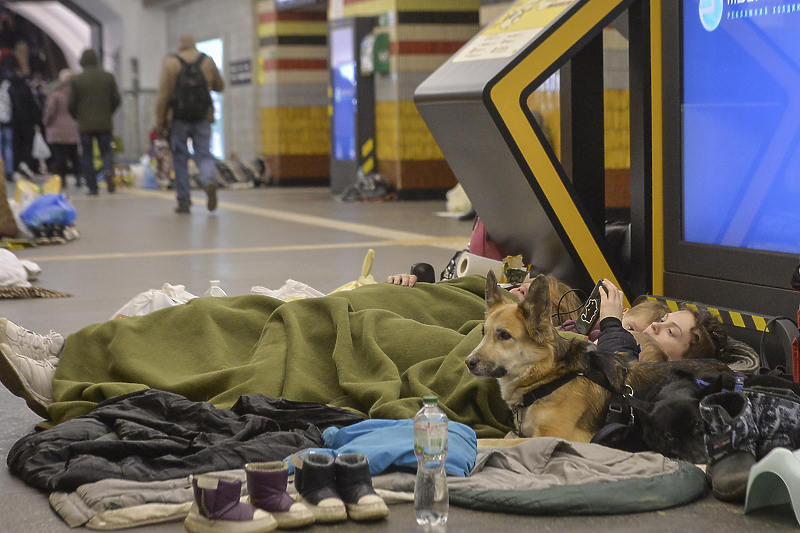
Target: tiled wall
[
  {"x": 232, "y": 21},
  {"x": 293, "y": 76},
  {"x": 423, "y": 34}
]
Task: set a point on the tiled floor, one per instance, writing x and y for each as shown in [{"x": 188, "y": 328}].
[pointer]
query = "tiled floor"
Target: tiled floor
[{"x": 132, "y": 241}]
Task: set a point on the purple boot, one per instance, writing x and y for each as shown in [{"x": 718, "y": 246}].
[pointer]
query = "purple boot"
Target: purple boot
[
  {"x": 267, "y": 483},
  {"x": 217, "y": 508}
]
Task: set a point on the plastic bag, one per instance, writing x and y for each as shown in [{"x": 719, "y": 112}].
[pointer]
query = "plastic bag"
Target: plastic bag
[
  {"x": 49, "y": 209},
  {"x": 155, "y": 299},
  {"x": 27, "y": 187},
  {"x": 291, "y": 290},
  {"x": 365, "y": 278},
  {"x": 40, "y": 148},
  {"x": 12, "y": 271}
]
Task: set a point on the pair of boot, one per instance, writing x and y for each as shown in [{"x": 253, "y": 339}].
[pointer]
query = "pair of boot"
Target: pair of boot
[
  {"x": 218, "y": 506},
  {"x": 741, "y": 428},
  {"x": 337, "y": 488}
]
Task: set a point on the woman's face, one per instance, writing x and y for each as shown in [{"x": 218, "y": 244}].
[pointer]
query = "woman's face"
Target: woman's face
[
  {"x": 522, "y": 290},
  {"x": 673, "y": 333}
]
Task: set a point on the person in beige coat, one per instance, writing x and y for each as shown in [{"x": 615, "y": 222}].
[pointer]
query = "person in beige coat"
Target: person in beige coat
[
  {"x": 61, "y": 130},
  {"x": 180, "y": 130}
]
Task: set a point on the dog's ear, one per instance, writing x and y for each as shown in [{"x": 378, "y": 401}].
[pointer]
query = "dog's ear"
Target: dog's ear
[
  {"x": 535, "y": 307},
  {"x": 493, "y": 294}
]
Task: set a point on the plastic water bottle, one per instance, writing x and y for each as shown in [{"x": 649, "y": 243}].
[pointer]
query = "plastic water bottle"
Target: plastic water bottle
[
  {"x": 431, "y": 500},
  {"x": 215, "y": 289}
]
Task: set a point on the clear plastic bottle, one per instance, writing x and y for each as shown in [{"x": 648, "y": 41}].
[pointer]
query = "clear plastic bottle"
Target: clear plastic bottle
[
  {"x": 215, "y": 289},
  {"x": 431, "y": 500}
]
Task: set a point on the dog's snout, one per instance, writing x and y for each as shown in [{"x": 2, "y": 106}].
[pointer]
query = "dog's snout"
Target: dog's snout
[{"x": 471, "y": 362}]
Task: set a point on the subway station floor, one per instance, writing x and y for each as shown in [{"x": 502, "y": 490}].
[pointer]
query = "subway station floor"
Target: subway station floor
[{"x": 132, "y": 241}]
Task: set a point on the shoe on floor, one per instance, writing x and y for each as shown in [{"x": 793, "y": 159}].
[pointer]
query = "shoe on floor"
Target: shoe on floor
[
  {"x": 26, "y": 342},
  {"x": 217, "y": 508},
  {"x": 111, "y": 184},
  {"x": 28, "y": 378},
  {"x": 92, "y": 192},
  {"x": 183, "y": 209},
  {"x": 354, "y": 485},
  {"x": 315, "y": 480},
  {"x": 266, "y": 483},
  {"x": 211, "y": 191}
]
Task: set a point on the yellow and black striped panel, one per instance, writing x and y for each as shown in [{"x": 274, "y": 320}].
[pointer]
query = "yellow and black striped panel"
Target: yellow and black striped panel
[
  {"x": 726, "y": 316},
  {"x": 505, "y": 99}
]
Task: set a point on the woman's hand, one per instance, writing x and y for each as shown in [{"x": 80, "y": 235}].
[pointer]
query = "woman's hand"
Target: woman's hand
[
  {"x": 611, "y": 304},
  {"x": 406, "y": 280}
]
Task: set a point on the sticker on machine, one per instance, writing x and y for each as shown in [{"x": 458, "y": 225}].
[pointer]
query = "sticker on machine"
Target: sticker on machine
[{"x": 496, "y": 46}]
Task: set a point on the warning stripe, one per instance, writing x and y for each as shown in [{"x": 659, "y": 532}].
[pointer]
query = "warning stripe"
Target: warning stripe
[{"x": 726, "y": 316}]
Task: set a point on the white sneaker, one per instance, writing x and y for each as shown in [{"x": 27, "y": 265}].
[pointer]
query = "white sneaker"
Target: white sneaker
[
  {"x": 25, "y": 342},
  {"x": 28, "y": 378}
]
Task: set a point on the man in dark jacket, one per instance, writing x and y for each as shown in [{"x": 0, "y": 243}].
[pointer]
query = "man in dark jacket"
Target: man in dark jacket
[{"x": 93, "y": 98}]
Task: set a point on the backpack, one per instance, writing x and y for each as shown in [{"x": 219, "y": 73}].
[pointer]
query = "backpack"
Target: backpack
[
  {"x": 191, "y": 98},
  {"x": 5, "y": 102}
]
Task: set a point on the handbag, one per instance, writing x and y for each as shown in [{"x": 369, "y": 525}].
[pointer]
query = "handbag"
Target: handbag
[{"x": 40, "y": 148}]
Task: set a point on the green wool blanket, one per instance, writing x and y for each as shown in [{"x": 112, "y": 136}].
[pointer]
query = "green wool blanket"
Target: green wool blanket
[{"x": 376, "y": 350}]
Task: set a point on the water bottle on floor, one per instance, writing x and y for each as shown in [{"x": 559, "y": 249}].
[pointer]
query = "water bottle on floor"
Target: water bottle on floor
[
  {"x": 215, "y": 289},
  {"x": 431, "y": 500}
]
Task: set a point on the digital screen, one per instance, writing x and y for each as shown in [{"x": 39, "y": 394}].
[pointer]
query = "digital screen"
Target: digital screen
[
  {"x": 343, "y": 72},
  {"x": 741, "y": 123}
]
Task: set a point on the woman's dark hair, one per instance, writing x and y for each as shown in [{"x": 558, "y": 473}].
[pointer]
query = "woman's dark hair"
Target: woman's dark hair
[{"x": 708, "y": 338}]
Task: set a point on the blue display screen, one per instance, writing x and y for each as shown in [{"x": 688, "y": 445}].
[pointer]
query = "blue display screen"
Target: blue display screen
[
  {"x": 344, "y": 111},
  {"x": 741, "y": 123}
]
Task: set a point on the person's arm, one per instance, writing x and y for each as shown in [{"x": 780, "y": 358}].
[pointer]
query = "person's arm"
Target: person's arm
[
  {"x": 51, "y": 106},
  {"x": 217, "y": 84},
  {"x": 72, "y": 101},
  {"x": 115, "y": 96},
  {"x": 613, "y": 337}
]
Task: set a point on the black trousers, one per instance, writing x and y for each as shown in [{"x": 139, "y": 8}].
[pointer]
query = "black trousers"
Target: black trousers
[{"x": 66, "y": 161}]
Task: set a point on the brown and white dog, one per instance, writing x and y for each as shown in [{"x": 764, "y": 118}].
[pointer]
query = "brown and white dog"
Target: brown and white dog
[{"x": 555, "y": 386}]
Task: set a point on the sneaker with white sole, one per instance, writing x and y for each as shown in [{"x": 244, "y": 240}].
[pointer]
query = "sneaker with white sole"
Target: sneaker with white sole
[
  {"x": 26, "y": 342},
  {"x": 28, "y": 378}
]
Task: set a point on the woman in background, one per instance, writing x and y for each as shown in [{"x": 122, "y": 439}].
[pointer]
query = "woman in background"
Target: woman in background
[{"x": 61, "y": 130}]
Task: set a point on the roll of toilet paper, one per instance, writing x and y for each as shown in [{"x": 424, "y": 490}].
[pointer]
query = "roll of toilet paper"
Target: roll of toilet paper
[{"x": 469, "y": 264}]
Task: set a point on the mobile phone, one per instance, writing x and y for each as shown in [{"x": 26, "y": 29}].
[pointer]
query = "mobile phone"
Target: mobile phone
[{"x": 590, "y": 311}]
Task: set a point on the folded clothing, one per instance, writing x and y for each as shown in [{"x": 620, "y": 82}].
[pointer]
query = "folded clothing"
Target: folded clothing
[{"x": 390, "y": 444}]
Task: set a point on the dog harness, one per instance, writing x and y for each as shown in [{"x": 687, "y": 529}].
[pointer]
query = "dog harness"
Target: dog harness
[{"x": 591, "y": 374}]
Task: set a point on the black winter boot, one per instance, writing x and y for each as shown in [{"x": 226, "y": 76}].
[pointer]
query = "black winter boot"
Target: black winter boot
[
  {"x": 354, "y": 484},
  {"x": 730, "y": 438},
  {"x": 315, "y": 480}
]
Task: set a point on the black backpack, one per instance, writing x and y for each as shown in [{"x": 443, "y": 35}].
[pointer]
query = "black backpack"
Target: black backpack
[{"x": 191, "y": 98}]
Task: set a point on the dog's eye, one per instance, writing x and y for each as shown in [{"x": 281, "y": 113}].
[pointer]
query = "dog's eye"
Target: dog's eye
[{"x": 503, "y": 335}]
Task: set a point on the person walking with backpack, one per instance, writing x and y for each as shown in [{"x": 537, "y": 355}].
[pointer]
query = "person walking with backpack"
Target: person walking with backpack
[
  {"x": 184, "y": 110},
  {"x": 93, "y": 98}
]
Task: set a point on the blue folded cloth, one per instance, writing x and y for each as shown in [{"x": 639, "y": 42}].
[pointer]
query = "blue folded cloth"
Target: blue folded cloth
[{"x": 390, "y": 443}]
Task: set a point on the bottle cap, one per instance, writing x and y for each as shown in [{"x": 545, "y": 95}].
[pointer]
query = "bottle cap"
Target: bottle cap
[{"x": 430, "y": 399}]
